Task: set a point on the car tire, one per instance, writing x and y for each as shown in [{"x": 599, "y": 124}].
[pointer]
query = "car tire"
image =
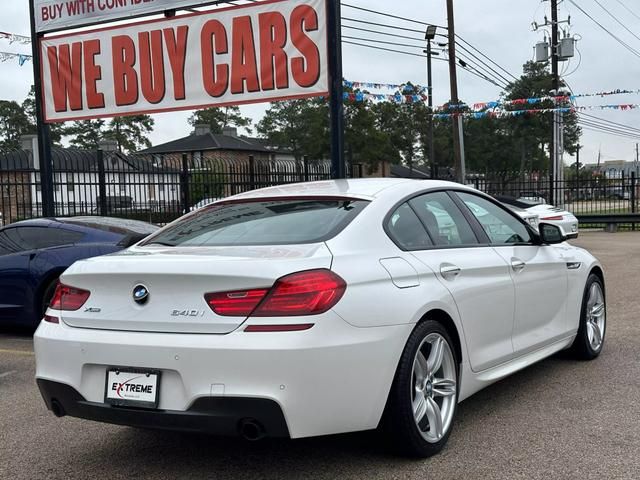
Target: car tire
[
  {"x": 47, "y": 295},
  {"x": 589, "y": 341},
  {"x": 422, "y": 403}
]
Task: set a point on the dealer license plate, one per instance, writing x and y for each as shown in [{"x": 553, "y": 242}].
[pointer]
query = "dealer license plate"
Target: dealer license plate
[{"x": 130, "y": 387}]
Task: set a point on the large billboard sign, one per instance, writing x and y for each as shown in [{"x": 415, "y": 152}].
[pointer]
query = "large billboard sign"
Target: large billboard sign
[
  {"x": 266, "y": 51},
  {"x": 64, "y": 14}
]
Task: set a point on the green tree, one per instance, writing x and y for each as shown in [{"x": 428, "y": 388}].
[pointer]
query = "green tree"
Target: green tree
[
  {"x": 14, "y": 123},
  {"x": 85, "y": 134},
  {"x": 218, "y": 118},
  {"x": 57, "y": 130},
  {"x": 406, "y": 125},
  {"x": 300, "y": 125},
  {"x": 534, "y": 131},
  {"x": 365, "y": 142},
  {"x": 131, "y": 133}
]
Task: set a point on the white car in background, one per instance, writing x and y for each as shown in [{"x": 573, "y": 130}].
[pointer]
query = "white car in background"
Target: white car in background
[
  {"x": 317, "y": 309},
  {"x": 546, "y": 213}
]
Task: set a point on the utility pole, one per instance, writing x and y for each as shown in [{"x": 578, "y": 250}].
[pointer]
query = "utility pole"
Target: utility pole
[
  {"x": 458, "y": 154},
  {"x": 430, "y": 35},
  {"x": 556, "y": 87},
  {"x": 334, "y": 30}
]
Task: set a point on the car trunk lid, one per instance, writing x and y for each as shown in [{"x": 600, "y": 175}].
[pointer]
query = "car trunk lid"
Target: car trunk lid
[{"x": 177, "y": 279}]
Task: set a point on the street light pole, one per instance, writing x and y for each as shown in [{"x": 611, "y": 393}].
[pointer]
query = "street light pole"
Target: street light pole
[{"x": 430, "y": 35}]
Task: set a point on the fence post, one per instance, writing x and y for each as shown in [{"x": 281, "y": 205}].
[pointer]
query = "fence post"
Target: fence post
[
  {"x": 305, "y": 161},
  {"x": 633, "y": 197},
  {"x": 252, "y": 172},
  {"x": 102, "y": 184},
  {"x": 184, "y": 184}
]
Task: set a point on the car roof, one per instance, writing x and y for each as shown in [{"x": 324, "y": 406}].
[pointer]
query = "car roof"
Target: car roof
[{"x": 367, "y": 189}]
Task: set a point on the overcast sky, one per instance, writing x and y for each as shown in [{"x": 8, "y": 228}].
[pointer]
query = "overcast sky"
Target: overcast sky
[{"x": 500, "y": 28}]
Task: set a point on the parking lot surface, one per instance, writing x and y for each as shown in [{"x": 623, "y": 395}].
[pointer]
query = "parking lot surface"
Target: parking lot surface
[{"x": 559, "y": 419}]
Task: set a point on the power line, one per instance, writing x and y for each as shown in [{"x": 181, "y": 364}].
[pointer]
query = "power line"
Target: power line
[
  {"x": 421, "y": 47},
  {"x": 615, "y": 37},
  {"x": 599, "y": 130},
  {"x": 486, "y": 71},
  {"x": 391, "y": 15},
  {"x": 387, "y": 49},
  {"x": 628, "y": 9},
  {"x": 594, "y": 117},
  {"x": 606, "y": 128},
  {"x": 616, "y": 19},
  {"x": 395, "y": 27},
  {"x": 468, "y": 65},
  {"x": 495, "y": 72},
  {"x": 487, "y": 58},
  {"x": 394, "y": 35}
]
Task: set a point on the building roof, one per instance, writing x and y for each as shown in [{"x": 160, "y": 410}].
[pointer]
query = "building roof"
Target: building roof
[
  {"x": 76, "y": 160},
  {"x": 207, "y": 142}
]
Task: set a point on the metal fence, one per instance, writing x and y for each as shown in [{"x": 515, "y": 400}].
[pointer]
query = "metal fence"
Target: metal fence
[
  {"x": 591, "y": 194},
  {"x": 156, "y": 189},
  {"x": 159, "y": 189}
]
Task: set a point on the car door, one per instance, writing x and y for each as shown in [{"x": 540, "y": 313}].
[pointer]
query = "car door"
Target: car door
[
  {"x": 475, "y": 275},
  {"x": 539, "y": 274},
  {"x": 14, "y": 275}
]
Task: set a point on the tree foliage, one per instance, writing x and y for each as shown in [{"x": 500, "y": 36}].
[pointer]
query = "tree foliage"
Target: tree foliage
[
  {"x": 85, "y": 134},
  {"x": 219, "y": 118},
  {"x": 57, "y": 130},
  {"x": 14, "y": 123},
  {"x": 131, "y": 133},
  {"x": 398, "y": 133}
]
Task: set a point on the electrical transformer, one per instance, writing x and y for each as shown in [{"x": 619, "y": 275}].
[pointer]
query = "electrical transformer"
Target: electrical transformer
[
  {"x": 566, "y": 49},
  {"x": 542, "y": 52}
]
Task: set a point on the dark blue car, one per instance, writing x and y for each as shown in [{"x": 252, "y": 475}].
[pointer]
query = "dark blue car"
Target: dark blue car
[{"x": 34, "y": 253}]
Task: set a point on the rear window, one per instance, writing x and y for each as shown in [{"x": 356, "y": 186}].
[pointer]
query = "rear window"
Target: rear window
[
  {"x": 279, "y": 222},
  {"x": 113, "y": 225}
]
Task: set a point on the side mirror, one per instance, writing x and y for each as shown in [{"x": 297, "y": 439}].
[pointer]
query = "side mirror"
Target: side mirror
[{"x": 551, "y": 234}]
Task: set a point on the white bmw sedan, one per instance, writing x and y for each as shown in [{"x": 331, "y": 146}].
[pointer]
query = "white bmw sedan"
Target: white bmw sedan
[{"x": 317, "y": 309}]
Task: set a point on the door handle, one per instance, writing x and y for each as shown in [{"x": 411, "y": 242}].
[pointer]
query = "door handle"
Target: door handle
[
  {"x": 449, "y": 271},
  {"x": 518, "y": 265}
]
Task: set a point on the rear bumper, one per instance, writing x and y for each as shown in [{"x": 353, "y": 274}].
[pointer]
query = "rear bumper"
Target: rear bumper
[
  {"x": 219, "y": 416},
  {"x": 333, "y": 378}
]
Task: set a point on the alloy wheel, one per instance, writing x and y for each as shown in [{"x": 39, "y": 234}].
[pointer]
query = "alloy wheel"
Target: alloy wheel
[
  {"x": 434, "y": 387},
  {"x": 596, "y": 317}
]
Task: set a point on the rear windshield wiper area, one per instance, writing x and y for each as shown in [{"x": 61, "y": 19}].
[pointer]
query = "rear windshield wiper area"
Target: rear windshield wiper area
[{"x": 159, "y": 244}]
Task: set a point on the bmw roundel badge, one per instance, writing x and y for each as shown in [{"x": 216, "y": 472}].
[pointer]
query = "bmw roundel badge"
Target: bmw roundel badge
[{"x": 140, "y": 294}]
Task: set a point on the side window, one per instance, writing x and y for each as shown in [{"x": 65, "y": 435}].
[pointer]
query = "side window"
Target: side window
[
  {"x": 405, "y": 229},
  {"x": 501, "y": 227},
  {"x": 30, "y": 238},
  {"x": 444, "y": 220},
  {"x": 7, "y": 242}
]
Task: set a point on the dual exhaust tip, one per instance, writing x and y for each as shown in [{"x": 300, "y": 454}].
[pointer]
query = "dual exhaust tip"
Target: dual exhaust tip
[
  {"x": 248, "y": 428},
  {"x": 251, "y": 430}
]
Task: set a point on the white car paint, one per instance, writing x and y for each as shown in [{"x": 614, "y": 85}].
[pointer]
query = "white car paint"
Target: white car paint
[
  {"x": 557, "y": 216},
  {"x": 336, "y": 376}
]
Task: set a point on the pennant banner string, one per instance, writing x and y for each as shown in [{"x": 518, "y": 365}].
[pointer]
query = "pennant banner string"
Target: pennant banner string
[
  {"x": 15, "y": 38},
  {"x": 22, "y": 59}
]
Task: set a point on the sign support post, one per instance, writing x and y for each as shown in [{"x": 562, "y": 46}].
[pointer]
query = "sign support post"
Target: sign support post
[
  {"x": 44, "y": 134},
  {"x": 334, "y": 31}
]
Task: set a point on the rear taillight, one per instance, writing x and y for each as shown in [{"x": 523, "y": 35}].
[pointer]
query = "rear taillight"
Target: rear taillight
[
  {"x": 557, "y": 218},
  {"x": 68, "y": 298},
  {"x": 235, "y": 304},
  {"x": 305, "y": 293}
]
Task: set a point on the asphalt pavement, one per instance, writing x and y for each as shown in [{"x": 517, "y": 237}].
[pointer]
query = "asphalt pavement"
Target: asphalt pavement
[{"x": 559, "y": 419}]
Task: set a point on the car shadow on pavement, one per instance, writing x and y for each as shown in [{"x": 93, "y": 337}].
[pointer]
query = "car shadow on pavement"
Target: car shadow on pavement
[{"x": 165, "y": 454}]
